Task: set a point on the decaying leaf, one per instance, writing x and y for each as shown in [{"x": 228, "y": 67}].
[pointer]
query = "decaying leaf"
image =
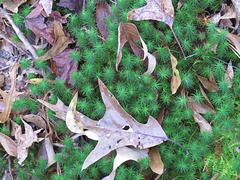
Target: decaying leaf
[
  {"x": 203, "y": 124},
  {"x": 156, "y": 10},
  {"x": 47, "y": 152},
  {"x": 210, "y": 84},
  {"x": 207, "y": 101},
  {"x": 39, "y": 80},
  {"x": 37, "y": 120},
  {"x": 176, "y": 79},
  {"x": 116, "y": 129},
  {"x": 73, "y": 124},
  {"x": 156, "y": 163},
  {"x": 8, "y": 144},
  {"x": 236, "y": 4},
  {"x": 47, "y": 6},
  {"x": 102, "y": 13},
  {"x": 124, "y": 154},
  {"x": 11, "y": 5},
  {"x": 63, "y": 66},
  {"x": 9, "y": 98},
  {"x": 197, "y": 110},
  {"x": 229, "y": 74},
  {"x": 24, "y": 141},
  {"x": 73, "y": 5},
  {"x": 61, "y": 43}
]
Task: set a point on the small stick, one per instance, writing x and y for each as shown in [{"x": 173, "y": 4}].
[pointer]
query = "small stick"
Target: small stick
[
  {"x": 178, "y": 42},
  {"x": 19, "y": 33}
]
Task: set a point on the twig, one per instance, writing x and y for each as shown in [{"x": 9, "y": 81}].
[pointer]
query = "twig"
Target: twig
[{"x": 19, "y": 33}]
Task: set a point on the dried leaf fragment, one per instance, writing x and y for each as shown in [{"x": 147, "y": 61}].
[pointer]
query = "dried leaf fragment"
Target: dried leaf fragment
[
  {"x": 9, "y": 98},
  {"x": 12, "y": 6},
  {"x": 73, "y": 124},
  {"x": 207, "y": 101},
  {"x": 229, "y": 74},
  {"x": 210, "y": 84},
  {"x": 203, "y": 124},
  {"x": 176, "y": 79},
  {"x": 8, "y": 144},
  {"x": 24, "y": 141},
  {"x": 215, "y": 176},
  {"x": 156, "y": 163}
]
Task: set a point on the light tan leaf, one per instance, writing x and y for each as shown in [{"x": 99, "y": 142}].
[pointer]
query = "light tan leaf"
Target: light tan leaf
[
  {"x": 39, "y": 80},
  {"x": 215, "y": 176},
  {"x": 47, "y": 152},
  {"x": 151, "y": 63},
  {"x": 176, "y": 79},
  {"x": 210, "y": 84},
  {"x": 207, "y": 101},
  {"x": 154, "y": 10},
  {"x": 60, "y": 45},
  {"x": 236, "y": 4},
  {"x": 8, "y": 144},
  {"x": 47, "y": 6},
  {"x": 156, "y": 163},
  {"x": 199, "y": 107},
  {"x": 73, "y": 124},
  {"x": 229, "y": 74},
  {"x": 37, "y": 120},
  {"x": 127, "y": 32},
  {"x": 24, "y": 141},
  {"x": 203, "y": 124},
  {"x": 9, "y": 98},
  {"x": 12, "y": 6},
  {"x": 124, "y": 154}
]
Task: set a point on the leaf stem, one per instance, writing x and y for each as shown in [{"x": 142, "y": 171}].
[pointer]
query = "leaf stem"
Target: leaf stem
[{"x": 178, "y": 42}]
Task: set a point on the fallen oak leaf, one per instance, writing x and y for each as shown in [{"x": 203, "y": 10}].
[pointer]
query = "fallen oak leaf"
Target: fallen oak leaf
[
  {"x": 159, "y": 10},
  {"x": 124, "y": 154},
  {"x": 73, "y": 124},
  {"x": 210, "y": 84},
  {"x": 176, "y": 79},
  {"x": 47, "y": 6},
  {"x": 9, "y": 98},
  {"x": 117, "y": 128},
  {"x": 8, "y": 144},
  {"x": 37, "y": 120},
  {"x": 156, "y": 163},
  {"x": 24, "y": 141}
]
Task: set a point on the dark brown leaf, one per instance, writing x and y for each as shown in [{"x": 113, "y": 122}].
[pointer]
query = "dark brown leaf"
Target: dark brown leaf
[
  {"x": 63, "y": 66},
  {"x": 102, "y": 13},
  {"x": 73, "y": 5},
  {"x": 160, "y": 116}
]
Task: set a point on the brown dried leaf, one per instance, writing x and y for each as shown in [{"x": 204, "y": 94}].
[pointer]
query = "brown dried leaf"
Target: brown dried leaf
[
  {"x": 47, "y": 152},
  {"x": 229, "y": 74},
  {"x": 210, "y": 84},
  {"x": 154, "y": 10},
  {"x": 117, "y": 128},
  {"x": 37, "y": 120},
  {"x": 102, "y": 13},
  {"x": 199, "y": 107},
  {"x": 207, "y": 101},
  {"x": 127, "y": 32},
  {"x": 203, "y": 124},
  {"x": 236, "y": 4},
  {"x": 60, "y": 45},
  {"x": 63, "y": 66},
  {"x": 11, "y": 5},
  {"x": 73, "y": 124},
  {"x": 125, "y": 154},
  {"x": 47, "y": 6},
  {"x": 73, "y": 5},
  {"x": 176, "y": 79},
  {"x": 9, "y": 98},
  {"x": 156, "y": 163},
  {"x": 8, "y": 144},
  {"x": 160, "y": 116},
  {"x": 24, "y": 141}
]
